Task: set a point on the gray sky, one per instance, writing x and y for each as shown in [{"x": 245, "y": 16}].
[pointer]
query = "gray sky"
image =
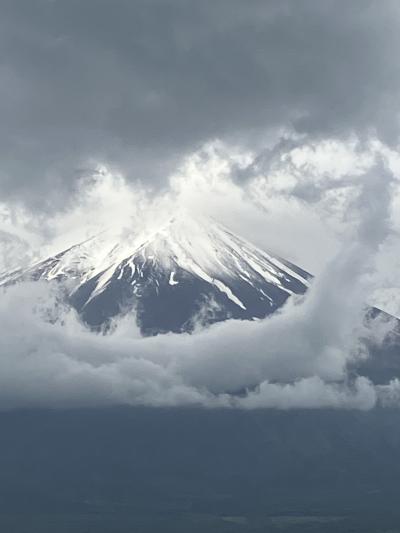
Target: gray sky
[{"x": 137, "y": 84}]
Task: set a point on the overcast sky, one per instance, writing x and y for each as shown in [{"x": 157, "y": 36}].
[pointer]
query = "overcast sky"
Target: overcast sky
[
  {"x": 138, "y": 84},
  {"x": 280, "y": 118}
]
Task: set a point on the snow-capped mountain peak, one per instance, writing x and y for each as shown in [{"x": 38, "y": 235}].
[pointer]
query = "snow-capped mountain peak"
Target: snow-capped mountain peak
[{"x": 169, "y": 274}]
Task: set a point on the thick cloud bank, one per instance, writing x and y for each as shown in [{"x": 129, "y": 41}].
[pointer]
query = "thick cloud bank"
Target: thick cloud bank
[
  {"x": 51, "y": 360},
  {"x": 48, "y": 359}
]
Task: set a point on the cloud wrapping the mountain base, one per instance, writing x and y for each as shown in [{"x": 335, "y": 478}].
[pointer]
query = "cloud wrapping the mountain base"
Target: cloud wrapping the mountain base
[{"x": 60, "y": 363}]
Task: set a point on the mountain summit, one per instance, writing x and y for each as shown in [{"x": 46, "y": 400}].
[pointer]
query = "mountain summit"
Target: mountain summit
[{"x": 187, "y": 270}]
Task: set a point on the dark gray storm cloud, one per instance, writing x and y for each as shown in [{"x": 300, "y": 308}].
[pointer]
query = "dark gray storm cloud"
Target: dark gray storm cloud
[{"x": 137, "y": 83}]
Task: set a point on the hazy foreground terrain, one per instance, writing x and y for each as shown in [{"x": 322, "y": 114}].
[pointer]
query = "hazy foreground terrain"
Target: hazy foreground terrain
[{"x": 125, "y": 470}]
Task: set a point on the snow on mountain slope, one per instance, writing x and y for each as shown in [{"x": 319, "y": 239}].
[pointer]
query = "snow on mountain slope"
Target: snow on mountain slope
[{"x": 186, "y": 270}]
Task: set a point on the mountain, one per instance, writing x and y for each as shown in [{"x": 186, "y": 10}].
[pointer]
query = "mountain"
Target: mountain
[{"x": 187, "y": 270}]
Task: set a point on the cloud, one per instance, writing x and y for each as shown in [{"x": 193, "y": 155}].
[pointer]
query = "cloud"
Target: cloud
[
  {"x": 49, "y": 359},
  {"x": 137, "y": 85},
  {"x": 390, "y": 393},
  {"x": 313, "y": 393}
]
